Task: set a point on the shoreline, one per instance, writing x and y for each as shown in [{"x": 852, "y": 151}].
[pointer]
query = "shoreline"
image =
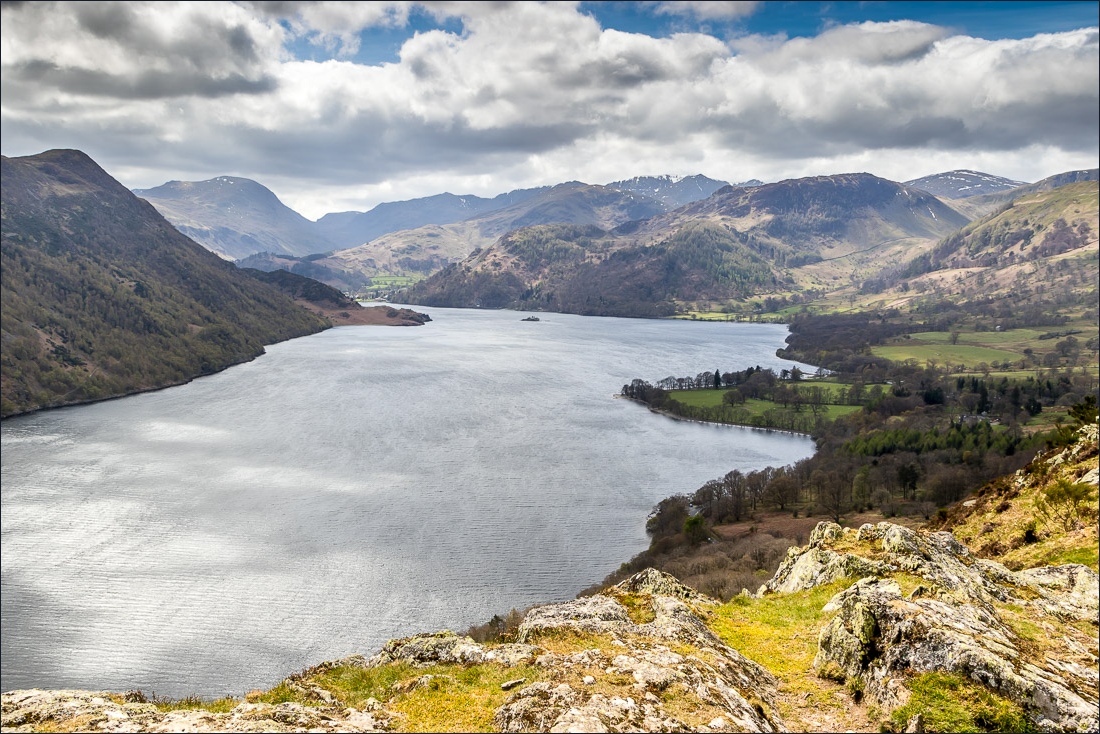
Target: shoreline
[{"x": 673, "y": 416}]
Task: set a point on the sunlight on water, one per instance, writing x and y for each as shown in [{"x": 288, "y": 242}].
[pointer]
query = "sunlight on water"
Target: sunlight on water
[{"x": 346, "y": 488}]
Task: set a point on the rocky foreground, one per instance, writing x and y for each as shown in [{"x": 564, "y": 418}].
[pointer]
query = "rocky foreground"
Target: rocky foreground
[{"x": 653, "y": 655}]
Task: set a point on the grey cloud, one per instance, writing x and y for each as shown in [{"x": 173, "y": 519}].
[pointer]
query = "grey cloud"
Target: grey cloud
[
  {"x": 144, "y": 84},
  {"x": 105, "y": 20},
  {"x": 203, "y": 43},
  {"x": 126, "y": 51}
]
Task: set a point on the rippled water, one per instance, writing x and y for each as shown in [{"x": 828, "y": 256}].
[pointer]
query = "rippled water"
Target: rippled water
[{"x": 348, "y": 487}]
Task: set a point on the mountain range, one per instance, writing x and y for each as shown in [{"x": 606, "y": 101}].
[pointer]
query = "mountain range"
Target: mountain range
[
  {"x": 649, "y": 245},
  {"x": 237, "y": 217},
  {"x": 739, "y": 242}
]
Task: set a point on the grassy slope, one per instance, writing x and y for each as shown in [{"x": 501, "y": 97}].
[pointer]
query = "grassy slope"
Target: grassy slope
[{"x": 995, "y": 522}]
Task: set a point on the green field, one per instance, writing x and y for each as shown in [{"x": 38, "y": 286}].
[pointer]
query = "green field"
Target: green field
[
  {"x": 974, "y": 348},
  {"x": 712, "y": 398},
  {"x": 945, "y": 353}
]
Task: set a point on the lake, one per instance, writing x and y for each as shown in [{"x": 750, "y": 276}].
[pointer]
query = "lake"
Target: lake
[{"x": 346, "y": 488}]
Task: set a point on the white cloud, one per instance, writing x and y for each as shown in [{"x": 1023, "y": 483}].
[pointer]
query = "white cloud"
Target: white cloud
[
  {"x": 708, "y": 9},
  {"x": 525, "y": 94}
]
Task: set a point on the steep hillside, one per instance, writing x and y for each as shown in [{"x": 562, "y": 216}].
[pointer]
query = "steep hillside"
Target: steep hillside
[
  {"x": 1043, "y": 514},
  {"x": 103, "y": 297},
  {"x": 425, "y": 250},
  {"x": 962, "y": 184},
  {"x": 235, "y": 217},
  {"x": 672, "y": 191},
  {"x": 1039, "y": 248},
  {"x": 806, "y": 233},
  {"x": 349, "y": 229}
]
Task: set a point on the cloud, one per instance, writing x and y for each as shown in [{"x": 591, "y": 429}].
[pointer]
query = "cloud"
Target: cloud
[
  {"x": 708, "y": 9},
  {"x": 524, "y": 94},
  {"x": 137, "y": 50},
  {"x": 336, "y": 25}
]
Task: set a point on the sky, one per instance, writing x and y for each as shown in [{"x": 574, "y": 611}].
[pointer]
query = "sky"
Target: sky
[{"x": 340, "y": 106}]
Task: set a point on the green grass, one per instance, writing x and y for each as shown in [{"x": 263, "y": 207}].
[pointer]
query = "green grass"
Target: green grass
[
  {"x": 779, "y": 631},
  {"x": 217, "y": 706},
  {"x": 1089, "y": 556},
  {"x": 755, "y": 407},
  {"x": 951, "y": 703},
  {"x": 456, "y": 698},
  {"x": 974, "y": 347},
  {"x": 945, "y": 353}
]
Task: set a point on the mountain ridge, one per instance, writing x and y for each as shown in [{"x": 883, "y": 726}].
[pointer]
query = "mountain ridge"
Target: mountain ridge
[{"x": 963, "y": 183}]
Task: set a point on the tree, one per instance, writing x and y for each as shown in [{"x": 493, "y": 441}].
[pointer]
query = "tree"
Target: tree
[
  {"x": 695, "y": 529},
  {"x": 833, "y": 495},
  {"x": 735, "y": 490},
  {"x": 1085, "y": 411},
  {"x": 717, "y": 379},
  {"x": 733, "y": 397}
]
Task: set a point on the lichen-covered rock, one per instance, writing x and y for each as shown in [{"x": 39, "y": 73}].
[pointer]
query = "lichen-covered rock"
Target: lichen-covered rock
[
  {"x": 741, "y": 691},
  {"x": 1071, "y": 591},
  {"x": 535, "y": 708},
  {"x": 596, "y": 614},
  {"x": 953, "y": 621},
  {"x": 430, "y": 649},
  {"x": 35, "y": 710},
  {"x": 880, "y": 637},
  {"x": 658, "y": 583},
  {"x": 806, "y": 569}
]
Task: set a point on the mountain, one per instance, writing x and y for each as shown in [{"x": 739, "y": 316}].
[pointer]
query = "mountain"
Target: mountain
[
  {"x": 1038, "y": 246},
  {"x": 333, "y": 305},
  {"x": 962, "y": 184},
  {"x": 103, "y": 297},
  {"x": 425, "y": 250},
  {"x": 348, "y": 229},
  {"x": 979, "y": 206},
  {"x": 804, "y": 233},
  {"x": 673, "y": 191},
  {"x": 235, "y": 217}
]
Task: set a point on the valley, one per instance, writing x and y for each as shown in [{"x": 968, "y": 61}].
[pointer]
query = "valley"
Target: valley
[{"x": 932, "y": 355}]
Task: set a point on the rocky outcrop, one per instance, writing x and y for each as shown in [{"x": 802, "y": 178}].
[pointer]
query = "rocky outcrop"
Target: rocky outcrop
[
  {"x": 880, "y": 637},
  {"x": 1019, "y": 634},
  {"x": 36, "y": 710}
]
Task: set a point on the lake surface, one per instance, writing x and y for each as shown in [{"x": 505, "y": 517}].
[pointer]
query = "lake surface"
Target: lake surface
[{"x": 346, "y": 488}]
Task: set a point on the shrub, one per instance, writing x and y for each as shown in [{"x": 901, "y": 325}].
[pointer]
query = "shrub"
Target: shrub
[{"x": 1063, "y": 502}]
